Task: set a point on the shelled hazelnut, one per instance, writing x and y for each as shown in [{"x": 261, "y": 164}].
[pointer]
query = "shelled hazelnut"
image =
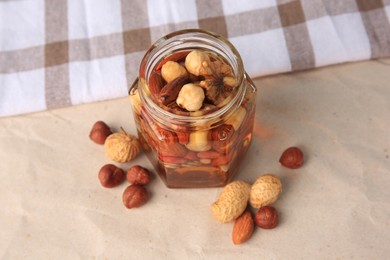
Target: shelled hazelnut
[
  {"x": 138, "y": 175},
  {"x": 134, "y": 196},
  {"x": 292, "y": 158},
  {"x": 111, "y": 176},
  {"x": 99, "y": 132},
  {"x": 267, "y": 217}
]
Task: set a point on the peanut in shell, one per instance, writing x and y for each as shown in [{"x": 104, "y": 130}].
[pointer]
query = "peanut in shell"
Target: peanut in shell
[
  {"x": 265, "y": 191},
  {"x": 231, "y": 202}
]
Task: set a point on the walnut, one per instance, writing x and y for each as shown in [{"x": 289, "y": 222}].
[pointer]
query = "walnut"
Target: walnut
[
  {"x": 122, "y": 147},
  {"x": 190, "y": 97},
  {"x": 172, "y": 70}
]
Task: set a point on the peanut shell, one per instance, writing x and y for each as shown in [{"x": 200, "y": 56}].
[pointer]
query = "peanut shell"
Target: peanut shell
[
  {"x": 231, "y": 202},
  {"x": 265, "y": 191}
]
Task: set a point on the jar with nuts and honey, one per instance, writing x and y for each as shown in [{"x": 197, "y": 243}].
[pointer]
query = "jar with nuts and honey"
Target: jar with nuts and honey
[{"x": 194, "y": 109}]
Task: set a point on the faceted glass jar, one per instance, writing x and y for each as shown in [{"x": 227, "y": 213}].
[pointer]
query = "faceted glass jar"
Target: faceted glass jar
[{"x": 194, "y": 150}]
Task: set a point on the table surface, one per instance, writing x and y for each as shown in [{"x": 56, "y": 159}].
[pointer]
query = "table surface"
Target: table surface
[{"x": 337, "y": 206}]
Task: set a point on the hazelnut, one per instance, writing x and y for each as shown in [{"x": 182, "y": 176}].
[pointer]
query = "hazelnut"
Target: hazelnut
[
  {"x": 134, "y": 196},
  {"x": 198, "y": 63},
  {"x": 138, "y": 175},
  {"x": 266, "y": 217},
  {"x": 292, "y": 158},
  {"x": 111, "y": 176},
  {"x": 172, "y": 70},
  {"x": 99, "y": 132},
  {"x": 122, "y": 147},
  {"x": 190, "y": 97}
]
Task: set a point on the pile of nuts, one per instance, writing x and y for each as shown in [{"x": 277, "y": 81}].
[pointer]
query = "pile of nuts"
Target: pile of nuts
[
  {"x": 192, "y": 83},
  {"x": 232, "y": 203},
  {"x": 121, "y": 147}
]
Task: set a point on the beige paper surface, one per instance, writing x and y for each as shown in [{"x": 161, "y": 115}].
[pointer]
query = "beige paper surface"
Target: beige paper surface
[{"x": 336, "y": 207}]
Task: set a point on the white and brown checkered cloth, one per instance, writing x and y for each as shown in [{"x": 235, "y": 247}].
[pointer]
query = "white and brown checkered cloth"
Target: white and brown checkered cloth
[{"x": 66, "y": 52}]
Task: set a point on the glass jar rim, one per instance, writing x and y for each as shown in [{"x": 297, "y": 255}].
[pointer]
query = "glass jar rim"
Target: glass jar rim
[{"x": 184, "y": 119}]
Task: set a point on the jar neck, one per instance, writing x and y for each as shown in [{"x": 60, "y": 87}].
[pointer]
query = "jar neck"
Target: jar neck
[{"x": 187, "y": 40}]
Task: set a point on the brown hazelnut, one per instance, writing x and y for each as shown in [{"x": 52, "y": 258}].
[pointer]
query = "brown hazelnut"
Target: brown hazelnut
[
  {"x": 292, "y": 158},
  {"x": 138, "y": 175},
  {"x": 134, "y": 196},
  {"x": 111, "y": 176},
  {"x": 266, "y": 217},
  {"x": 99, "y": 132}
]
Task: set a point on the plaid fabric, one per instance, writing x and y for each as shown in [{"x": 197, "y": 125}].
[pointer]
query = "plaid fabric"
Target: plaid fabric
[{"x": 65, "y": 52}]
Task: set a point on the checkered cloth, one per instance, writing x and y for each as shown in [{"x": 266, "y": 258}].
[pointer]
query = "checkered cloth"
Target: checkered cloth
[{"x": 66, "y": 52}]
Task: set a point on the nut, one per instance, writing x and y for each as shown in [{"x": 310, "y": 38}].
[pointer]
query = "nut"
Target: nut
[
  {"x": 243, "y": 228},
  {"x": 206, "y": 109},
  {"x": 208, "y": 155},
  {"x": 99, "y": 132},
  {"x": 292, "y": 158},
  {"x": 190, "y": 97},
  {"x": 166, "y": 136},
  {"x": 265, "y": 191},
  {"x": 172, "y": 159},
  {"x": 122, "y": 147},
  {"x": 232, "y": 201},
  {"x": 267, "y": 217},
  {"x": 156, "y": 83},
  {"x": 222, "y": 137},
  {"x": 198, "y": 63},
  {"x": 237, "y": 118},
  {"x": 176, "y": 109},
  {"x": 199, "y": 141},
  {"x": 183, "y": 137},
  {"x": 172, "y": 70},
  {"x": 168, "y": 143},
  {"x": 135, "y": 102},
  {"x": 205, "y": 161},
  {"x": 230, "y": 81},
  {"x": 171, "y": 90},
  {"x": 171, "y": 149},
  {"x": 224, "y": 160},
  {"x": 110, "y": 176},
  {"x": 191, "y": 155},
  {"x": 138, "y": 175},
  {"x": 134, "y": 196},
  {"x": 177, "y": 56}
]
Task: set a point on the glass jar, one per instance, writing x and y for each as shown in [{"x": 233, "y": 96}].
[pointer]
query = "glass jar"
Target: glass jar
[{"x": 194, "y": 149}]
